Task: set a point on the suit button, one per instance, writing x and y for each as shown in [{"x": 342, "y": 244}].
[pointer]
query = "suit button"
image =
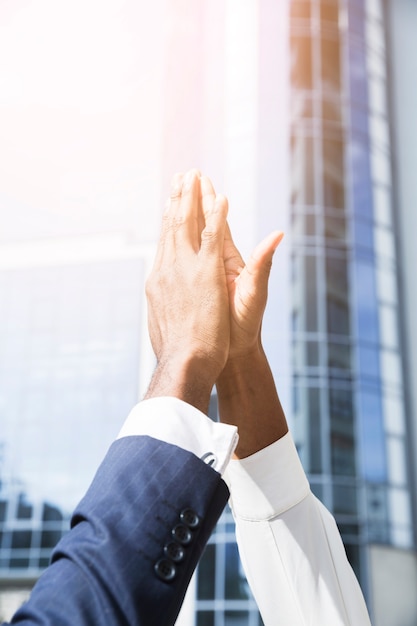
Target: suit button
[
  {"x": 174, "y": 551},
  {"x": 190, "y": 518},
  {"x": 182, "y": 534},
  {"x": 165, "y": 570}
]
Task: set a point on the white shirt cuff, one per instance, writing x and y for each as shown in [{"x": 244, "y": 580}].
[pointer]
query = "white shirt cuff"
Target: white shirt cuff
[
  {"x": 267, "y": 483},
  {"x": 176, "y": 422}
]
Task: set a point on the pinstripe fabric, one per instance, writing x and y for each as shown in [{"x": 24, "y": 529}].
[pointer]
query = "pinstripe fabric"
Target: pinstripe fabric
[{"x": 102, "y": 571}]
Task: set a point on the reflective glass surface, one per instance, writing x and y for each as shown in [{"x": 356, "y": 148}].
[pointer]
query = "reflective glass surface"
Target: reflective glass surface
[
  {"x": 301, "y": 66},
  {"x": 370, "y": 418},
  {"x": 69, "y": 365},
  {"x": 333, "y": 172}
]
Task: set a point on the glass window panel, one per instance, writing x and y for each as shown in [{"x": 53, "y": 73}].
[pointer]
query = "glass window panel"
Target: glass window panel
[
  {"x": 206, "y": 574},
  {"x": 333, "y": 173},
  {"x": 301, "y": 9},
  {"x": 384, "y": 242},
  {"x": 205, "y": 618},
  {"x": 21, "y": 539},
  {"x": 24, "y": 509},
  {"x": 310, "y": 224},
  {"x": 381, "y": 167},
  {"x": 360, "y": 173},
  {"x": 399, "y": 507},
  {"x": 51, "y": 513},
  {"x": 396, "y": 461},
  {"x": 330, "y": 64},
  {"x": 372, "y": 438},
  {"x": 312, "y": 349},
  {"x": 49, "y": 538},
  {"x": 301, "y": 67},
  {"x": 236, "y": 586},
  {"x": 388, "y": 326},
  {"x": 376, "y": 63},
  {"x": 378, "y": 127},
  {"x": 386, "y": 285},
  {"x": 358, "y": 78},
  {"x": 402, "y": 536},
  {"x": 339, "y": 356},
  {"x": 364, "y": 234},
  {"x": 359, "y": 120},
  {"x": 336, "y": 276},
  {"x": 354, "y": 558},
  {"x": 302, "y": 169},
  {"x": 375, "y": 35},
  {"x": 302, "y": 106},
  {"x": 329, "y": 12},
  {"x": 342, "y": 449},
  {"x": 331, "y": 109},
  {"x": 236, "y": 618},
  {"x": 317, "y": 489},
  {"x": 368, "y": 358},
  {"x": 391, "y": 368},
  {"x": 3, "y": 510},
  {"x": 341, "y": 424},
  {"x": 19, "y": 562},
  {"x": 295, "y": 395},
  {"x": 335, "y": 227},
  {"x": 365, "y": 301},
  {"x": 344, "y": 499},
  {"x": 310, "y": 294},
  {"x": 394, "y": 414},
  {"x": 382, "y": 206},
  {"x": 377, "y": 95},
  {"x": 337, "y": 316},
  {"x": 315, "y": 430},
  {"x": 374, "y": 9},
  {"x": 377, "y": 512}
]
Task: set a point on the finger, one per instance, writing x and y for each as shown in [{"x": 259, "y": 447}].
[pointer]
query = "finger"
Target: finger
[
  {"x": 170, "y": 208},
  {"x": 260, "y": 261},
  {"x": 252, "y": 282},
  {"x": 185, "y": 215},
  {"x": 212, "y": 237},
  {"x": 233, "y": 261},
  {"x": 208, "y": 198}
]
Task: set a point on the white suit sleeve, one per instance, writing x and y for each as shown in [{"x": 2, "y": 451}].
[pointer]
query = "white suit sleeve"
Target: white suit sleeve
[{"x": 289, "y": 544}]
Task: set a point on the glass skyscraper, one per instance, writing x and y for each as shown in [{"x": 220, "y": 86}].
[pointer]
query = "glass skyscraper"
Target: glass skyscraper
[
  {"x": 348, "y": 377},
  {"x": 287, "y": 105}
]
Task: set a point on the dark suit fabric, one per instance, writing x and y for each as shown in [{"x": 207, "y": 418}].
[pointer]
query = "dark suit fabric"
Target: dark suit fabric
[{"x": 103, "y": 570}]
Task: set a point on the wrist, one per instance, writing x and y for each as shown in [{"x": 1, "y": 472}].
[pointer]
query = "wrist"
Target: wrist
[
  {"x": 186, "y": 378},
  {"x": 248, "y": 399},
  {"x": 240, "y": 365}
]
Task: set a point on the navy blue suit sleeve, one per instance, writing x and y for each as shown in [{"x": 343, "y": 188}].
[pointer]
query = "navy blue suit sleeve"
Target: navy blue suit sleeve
[{"x": 135, "y": 541}]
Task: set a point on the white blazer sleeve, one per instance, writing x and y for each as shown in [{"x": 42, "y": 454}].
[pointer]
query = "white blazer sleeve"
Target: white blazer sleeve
[{"x": 289, "y": 544}]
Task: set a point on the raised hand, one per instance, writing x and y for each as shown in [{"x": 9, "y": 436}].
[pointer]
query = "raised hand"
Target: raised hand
[{"x": 188, "y": 305}]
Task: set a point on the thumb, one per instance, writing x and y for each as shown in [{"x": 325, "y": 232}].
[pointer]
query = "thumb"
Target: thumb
[{"x": 260, "y": 261}]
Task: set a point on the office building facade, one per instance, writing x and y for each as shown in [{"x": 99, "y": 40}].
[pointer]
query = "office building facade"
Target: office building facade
[{"x": 288, "y": 106}]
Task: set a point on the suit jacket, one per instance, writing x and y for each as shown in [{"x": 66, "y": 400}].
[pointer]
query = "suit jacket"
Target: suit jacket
[{"x": 135, "y": 541}]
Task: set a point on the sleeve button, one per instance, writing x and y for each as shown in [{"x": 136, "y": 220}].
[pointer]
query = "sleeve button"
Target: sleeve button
[
  {"x": 190, "y": 518},
  {"x": 182, "y": 534},
  {"x": 174, "y": 551},
  {"x": 165, "y": 570}
]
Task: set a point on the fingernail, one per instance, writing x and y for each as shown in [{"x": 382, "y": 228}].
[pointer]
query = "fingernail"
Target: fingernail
[
  {"x": 221, "y": 200},
  {"x": 278, "y": 241},
  {"x": 176, "y": 184}
]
